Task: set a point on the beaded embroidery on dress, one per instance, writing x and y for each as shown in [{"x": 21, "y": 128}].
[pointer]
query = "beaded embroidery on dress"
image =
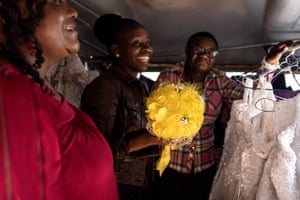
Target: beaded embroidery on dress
[{"x": 261, "y": 147}]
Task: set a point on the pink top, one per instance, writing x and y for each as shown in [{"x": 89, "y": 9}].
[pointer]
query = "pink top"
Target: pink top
[{"x": 49, "y": 149}]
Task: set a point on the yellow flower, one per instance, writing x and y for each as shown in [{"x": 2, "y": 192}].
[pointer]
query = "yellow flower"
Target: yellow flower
[{"x": 175, "y": 113}]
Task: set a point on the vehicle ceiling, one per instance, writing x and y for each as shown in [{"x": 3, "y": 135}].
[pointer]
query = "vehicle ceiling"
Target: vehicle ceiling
[{"x": 242, "y": 27}]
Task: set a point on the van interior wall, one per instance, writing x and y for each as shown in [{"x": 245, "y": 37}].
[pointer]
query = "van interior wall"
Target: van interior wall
[{"x": 244, "y": 29}]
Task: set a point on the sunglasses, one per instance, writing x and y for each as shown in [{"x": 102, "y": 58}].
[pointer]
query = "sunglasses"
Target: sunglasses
[{"x": 210, "y": 52}]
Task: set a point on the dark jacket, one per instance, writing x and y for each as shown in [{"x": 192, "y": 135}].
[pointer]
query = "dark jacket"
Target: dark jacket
[{"x": 116, "y": 102}]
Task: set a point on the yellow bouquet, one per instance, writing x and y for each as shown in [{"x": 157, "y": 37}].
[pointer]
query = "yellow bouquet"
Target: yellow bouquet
[{"x": 175, "y": 114}]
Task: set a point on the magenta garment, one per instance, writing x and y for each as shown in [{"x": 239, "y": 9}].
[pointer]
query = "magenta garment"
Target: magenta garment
[{"x": 48, "y": 149}]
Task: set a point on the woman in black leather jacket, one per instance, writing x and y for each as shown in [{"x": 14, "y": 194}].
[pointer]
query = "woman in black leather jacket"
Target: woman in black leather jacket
[{"x": 116, "y": 102}]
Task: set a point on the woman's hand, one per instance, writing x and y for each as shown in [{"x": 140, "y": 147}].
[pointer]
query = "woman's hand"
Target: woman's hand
[
  {"x": 142, "y": 141},
  {"x": 277, "y": 51}
]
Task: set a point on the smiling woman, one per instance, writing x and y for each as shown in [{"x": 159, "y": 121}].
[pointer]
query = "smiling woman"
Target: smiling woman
[
  {"x": 115, "y": 100},
  {"x": 49, "y": 149},
  {"x": 58, "y": 25}
]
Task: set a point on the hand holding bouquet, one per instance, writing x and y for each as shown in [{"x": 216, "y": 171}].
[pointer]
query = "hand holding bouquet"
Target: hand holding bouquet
[{"x": 175, "y": 114}]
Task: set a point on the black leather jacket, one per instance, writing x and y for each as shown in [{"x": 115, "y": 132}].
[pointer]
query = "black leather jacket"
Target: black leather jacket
[{"x": 116, "y": 102}]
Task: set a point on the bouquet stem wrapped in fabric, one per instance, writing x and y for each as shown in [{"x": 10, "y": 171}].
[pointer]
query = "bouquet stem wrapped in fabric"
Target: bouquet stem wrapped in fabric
[{"x": 175, "y": 114}]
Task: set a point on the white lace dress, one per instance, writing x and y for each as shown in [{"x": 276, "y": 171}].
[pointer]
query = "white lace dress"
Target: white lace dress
[{"x": 261, "y": 147}]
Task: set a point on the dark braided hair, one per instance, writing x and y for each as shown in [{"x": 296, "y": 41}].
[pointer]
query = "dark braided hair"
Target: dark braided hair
[{"x": 19, "y": 28}]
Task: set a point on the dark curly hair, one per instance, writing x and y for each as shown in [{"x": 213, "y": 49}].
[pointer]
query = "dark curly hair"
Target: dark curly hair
[{"x": 20, "y": 20}]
